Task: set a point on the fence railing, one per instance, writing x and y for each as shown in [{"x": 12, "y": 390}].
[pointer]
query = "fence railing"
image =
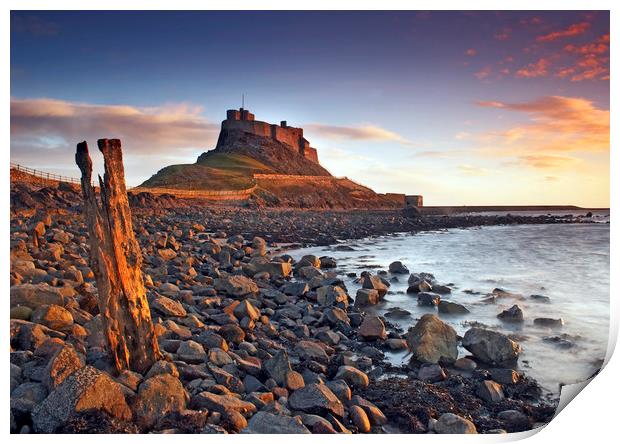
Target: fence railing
[{"x": 44, "y": 175}]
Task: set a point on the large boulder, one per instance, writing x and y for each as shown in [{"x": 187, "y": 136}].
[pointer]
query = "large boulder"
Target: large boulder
[
  {"x": 432, "y": 341},
  {"x": 34, "y": 296},
  {"x": 374, "y": 283},
  {"x": 490, "y": 346},
  {"x": 372, "y": 328},
  {"x": 265, "y": 422},
  {"x": 86, "y": 389},
  {"x": 316, "y": 399},
  {"x": 158, "y": 396}
]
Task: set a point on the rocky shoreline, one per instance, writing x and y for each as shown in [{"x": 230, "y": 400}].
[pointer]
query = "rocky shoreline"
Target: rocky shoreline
[{"x": 254, "y": 341}]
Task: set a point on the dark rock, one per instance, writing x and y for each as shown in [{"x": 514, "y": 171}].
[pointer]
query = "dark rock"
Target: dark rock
[
  {"x": 316, "y": 399},
  {"x": 431, "y": 340},
  {"x": 490, "y": 346}
]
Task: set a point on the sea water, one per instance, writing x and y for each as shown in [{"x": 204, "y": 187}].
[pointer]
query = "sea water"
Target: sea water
[{"x": 568, "y": 263}]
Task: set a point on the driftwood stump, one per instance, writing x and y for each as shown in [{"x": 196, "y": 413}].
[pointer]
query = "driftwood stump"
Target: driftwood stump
[{"x": 116, "y": 261}]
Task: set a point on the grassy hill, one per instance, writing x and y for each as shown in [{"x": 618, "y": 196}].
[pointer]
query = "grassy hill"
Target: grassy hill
[{"x": 213, "y": 171}]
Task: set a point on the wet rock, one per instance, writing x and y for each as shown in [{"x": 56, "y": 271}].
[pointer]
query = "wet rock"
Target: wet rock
[
  {"x": 352, "y": 376},
  {"x": 465, "y": 364},
  {"x": 490, "y": 346},
  {"x": 452, "y": 308},
  {"x": 316, "y": 399},
  {"x": 397, "y": 267},
  {"x": 449, "y": 423},
  {"x": 441, "y": 289},
  {"x": 264, "y": 422},
  {"x": 372, "y": 328},
  {"x": 490, "y": 391},
  {"x": 428, "y": 299},
  {"x": 513, "y": 314},
  {"x": 158, "y": 396},
  {"x": 540, "y": 298},
  {"x": 329, "y": 295},
  {"x": 396, "y": 344},
  {"x": 86, "y": 389},
  {"x": 366, "y": 296},
  {"x": 549, "y": 322},
  {"x": 504, "y": 375},
  {"x": 432, "y": 341},
  {"x": 374, "y": 283},
  {"x": 431, "y": 373}
]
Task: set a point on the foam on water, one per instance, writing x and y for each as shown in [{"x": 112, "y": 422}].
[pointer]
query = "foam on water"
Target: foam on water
[{"x": 569, "y": 263}]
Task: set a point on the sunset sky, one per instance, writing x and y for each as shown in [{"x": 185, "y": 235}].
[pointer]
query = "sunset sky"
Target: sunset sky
[{"x": 466, "y": 108}]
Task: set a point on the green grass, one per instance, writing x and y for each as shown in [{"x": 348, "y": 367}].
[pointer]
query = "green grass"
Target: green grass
[{"x": 217, "y": 171}]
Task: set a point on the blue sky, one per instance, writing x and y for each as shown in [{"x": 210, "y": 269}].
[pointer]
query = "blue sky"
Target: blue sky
[{"x": 465, "y": 108}]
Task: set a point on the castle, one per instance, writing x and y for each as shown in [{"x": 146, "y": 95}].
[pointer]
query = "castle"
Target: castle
[{"x": 243, "y": 120}]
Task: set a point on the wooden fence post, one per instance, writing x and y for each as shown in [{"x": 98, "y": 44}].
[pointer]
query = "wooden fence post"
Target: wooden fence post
[{"x": 116, "y": 260}]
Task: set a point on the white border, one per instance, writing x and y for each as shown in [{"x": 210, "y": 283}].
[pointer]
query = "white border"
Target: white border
[{"x": 592, "y": 417}]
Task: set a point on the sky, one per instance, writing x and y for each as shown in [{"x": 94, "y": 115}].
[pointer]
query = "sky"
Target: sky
[{"x": 465, "y": 108}]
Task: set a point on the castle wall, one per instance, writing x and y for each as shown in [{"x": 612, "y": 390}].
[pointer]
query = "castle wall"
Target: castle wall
[
  {"x": 311, "y": 154},
  {"x": 243, "y": 120},
  {"x": 249, "y": 126}
]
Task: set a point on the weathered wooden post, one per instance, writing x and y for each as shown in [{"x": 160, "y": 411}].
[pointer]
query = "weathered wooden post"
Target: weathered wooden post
[{"x": 116, "y": 260}]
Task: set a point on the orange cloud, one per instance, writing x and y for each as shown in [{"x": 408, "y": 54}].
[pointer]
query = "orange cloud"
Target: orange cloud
[
  {"x": 592, "y": 62},
  {"x": 537, "y": 69},
  {"x": 471, "y": 52},
  {"x": 556, "y": 125},
  {"x": 573, "y": 30}
]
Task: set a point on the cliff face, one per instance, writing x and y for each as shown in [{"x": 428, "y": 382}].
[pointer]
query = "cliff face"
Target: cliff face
[{"x": 277, "y": 156}]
